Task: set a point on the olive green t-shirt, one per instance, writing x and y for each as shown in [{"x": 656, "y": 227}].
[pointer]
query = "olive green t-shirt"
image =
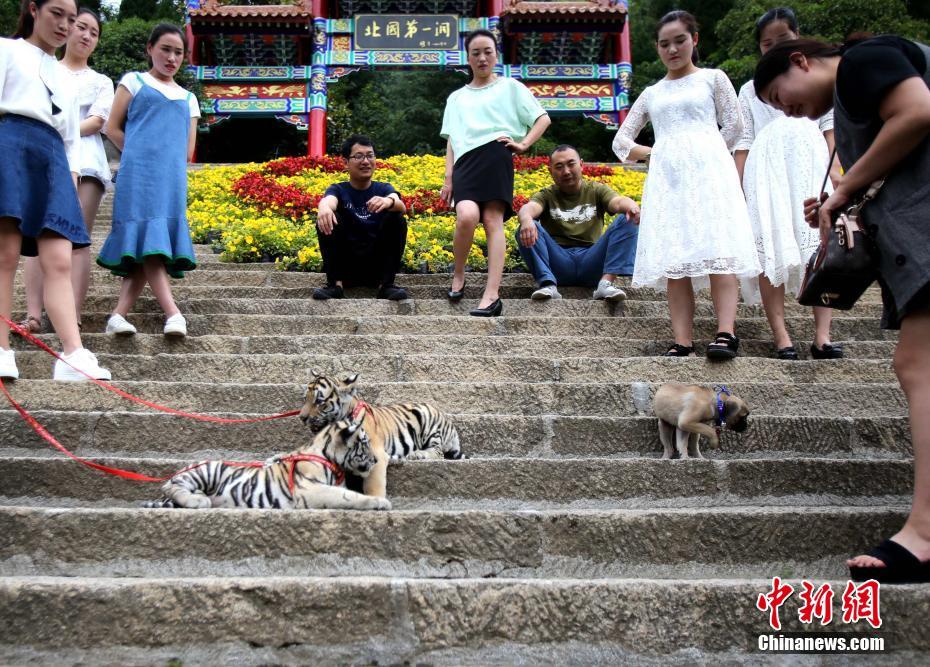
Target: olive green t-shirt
[{"x": 577, "y": 219}]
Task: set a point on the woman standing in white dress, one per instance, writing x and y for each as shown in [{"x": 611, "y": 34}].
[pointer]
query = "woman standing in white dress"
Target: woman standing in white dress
[
  {"x": 694, "y": 225},
  {"x": 782, "y": 161},
  {"x": 95, "y": 97}
]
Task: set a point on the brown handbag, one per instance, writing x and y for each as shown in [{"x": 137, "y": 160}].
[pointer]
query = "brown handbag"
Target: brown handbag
[{"x": 844, "y": 267}]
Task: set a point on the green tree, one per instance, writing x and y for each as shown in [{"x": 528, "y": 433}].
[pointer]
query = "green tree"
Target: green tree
[
  {"x": 139, "y": 9},
  {"x": 9, "y": 17}
]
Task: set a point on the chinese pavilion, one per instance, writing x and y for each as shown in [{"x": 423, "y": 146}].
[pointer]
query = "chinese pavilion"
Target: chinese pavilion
[{"x": 278, "y": 59}]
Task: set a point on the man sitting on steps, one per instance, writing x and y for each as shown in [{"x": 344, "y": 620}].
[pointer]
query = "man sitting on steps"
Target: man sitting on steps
[
  {"x": 361, "y": 228},
  {"x": 561, "y": 236}
]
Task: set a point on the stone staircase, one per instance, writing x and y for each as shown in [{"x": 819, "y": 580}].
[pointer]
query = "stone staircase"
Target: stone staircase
[{"x": 563, "y": 540}]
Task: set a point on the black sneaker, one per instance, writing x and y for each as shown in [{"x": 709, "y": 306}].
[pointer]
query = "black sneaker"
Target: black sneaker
[
  {"x": 392, "y": 293},
  {"x": 328, "y": 292}
]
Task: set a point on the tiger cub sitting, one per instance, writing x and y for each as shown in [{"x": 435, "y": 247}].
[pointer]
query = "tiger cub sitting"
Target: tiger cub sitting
[
  {"x": 287, "y": 481},
  {"x": 402, "y": 431}
]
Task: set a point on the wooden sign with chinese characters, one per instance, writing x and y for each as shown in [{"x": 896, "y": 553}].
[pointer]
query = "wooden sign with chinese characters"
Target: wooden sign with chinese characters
[{"x": 406, "y": 32}]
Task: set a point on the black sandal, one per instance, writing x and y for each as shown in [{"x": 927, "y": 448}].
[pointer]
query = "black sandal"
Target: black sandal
[
  {"x": 677, "y": 350},
  {"x": 828, "y": 351},
  {"x": 725, "y": 346},
  {"x": 901, "y": 566},
  {"x": 787, "y": 353}
]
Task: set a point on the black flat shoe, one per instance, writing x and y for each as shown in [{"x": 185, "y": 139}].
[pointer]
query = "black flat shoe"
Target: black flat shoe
[
  {"x": 677, "y": 350},
  {"x": 828, "y": 351},
  {"x": 901, "y": 566},
  {"x": 456, "y": 295},
  {"x": 493, "y": 310},
  {"x": 787, "y": 353}
]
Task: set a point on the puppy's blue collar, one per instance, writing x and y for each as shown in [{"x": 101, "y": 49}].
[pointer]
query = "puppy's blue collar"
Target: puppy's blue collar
[{"x": 719, "y": 418}]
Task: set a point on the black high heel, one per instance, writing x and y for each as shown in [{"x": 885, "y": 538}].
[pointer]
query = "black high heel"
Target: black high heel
[
  {"x": 493, "y": 310},
  {"x": 456, "y": 295}
]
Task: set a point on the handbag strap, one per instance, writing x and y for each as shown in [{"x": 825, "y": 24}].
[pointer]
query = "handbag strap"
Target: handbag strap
[{"x": 869, "y": 195}]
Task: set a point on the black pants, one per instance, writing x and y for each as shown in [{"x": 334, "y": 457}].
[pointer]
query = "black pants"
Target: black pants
[{"x": 356, "y": 258}]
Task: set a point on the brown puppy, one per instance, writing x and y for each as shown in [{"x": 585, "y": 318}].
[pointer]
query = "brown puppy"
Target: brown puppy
[{"x": 684, "y": 411}]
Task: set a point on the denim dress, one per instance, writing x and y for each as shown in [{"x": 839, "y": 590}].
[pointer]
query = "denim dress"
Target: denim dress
[{"x": 150, "y": 205}]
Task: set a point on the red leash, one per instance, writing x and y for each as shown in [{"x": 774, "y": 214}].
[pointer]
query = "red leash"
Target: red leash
[
  {"x": 139, "y": 477},
  {"x": 135, "y": 399}
]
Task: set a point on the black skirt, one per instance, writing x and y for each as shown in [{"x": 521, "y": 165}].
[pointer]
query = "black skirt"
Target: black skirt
[{"x": 485, "y": 174}]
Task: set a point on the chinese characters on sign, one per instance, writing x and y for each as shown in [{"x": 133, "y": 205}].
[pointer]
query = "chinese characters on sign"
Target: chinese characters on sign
[
  {"x": 406, "y": 32},
  {"x": 860, "y": 603}
]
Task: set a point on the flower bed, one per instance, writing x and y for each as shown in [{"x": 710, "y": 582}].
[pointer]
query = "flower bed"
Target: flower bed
[{"x": 266, "y": 212}]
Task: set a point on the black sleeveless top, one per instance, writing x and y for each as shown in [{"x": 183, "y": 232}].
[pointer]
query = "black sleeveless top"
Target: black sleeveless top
[{"x": 899, "y": 217}]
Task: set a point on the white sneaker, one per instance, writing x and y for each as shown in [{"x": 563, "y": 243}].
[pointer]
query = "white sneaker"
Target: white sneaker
[
  {"x": 117, "y": 325},
  {"x": 606, "y": 291},
  {"x": 546, "y": 293},
  {"x": 8, "y": 370},
  {"x": 83, "y": 359},
  {"x": 176, "y": 325}
]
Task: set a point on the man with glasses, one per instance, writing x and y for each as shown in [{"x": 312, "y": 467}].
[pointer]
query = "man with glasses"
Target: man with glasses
[{"x": 361, "y": 228}]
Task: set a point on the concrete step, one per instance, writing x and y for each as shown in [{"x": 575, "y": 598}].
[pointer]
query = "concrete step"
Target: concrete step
[
  {"x": 654, "y": 328},
  {"x": 183, "y": 290},
  {"x": 281, "y": 368},
  {"x": 433, "y": 307},
  {"x": 528, "y": 483},
  {"x": 373, "y": 620},
  {"x": 391, "y": 344},
  {"x": 504, "y": 398},
  {"x": 134, "y": 434},
  {"x": 809, "y": 543}
]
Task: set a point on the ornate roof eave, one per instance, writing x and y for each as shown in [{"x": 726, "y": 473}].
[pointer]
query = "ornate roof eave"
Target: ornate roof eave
[
  {"x": 212, "y": 11},
  {"x": 518, "y": 15}
]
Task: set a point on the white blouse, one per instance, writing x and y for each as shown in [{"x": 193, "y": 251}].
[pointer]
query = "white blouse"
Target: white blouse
[
  {"x": 757, "y": 114},
  {"x": 95, "y": 98},
  {"x": 27, "y": 74}
]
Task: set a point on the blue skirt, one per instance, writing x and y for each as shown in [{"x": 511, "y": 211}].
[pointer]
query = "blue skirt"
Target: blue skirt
[{"x": 36, "y": 188}]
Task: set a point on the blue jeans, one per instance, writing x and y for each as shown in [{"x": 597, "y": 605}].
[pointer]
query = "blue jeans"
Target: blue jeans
[{"x": 613, "y": 253}]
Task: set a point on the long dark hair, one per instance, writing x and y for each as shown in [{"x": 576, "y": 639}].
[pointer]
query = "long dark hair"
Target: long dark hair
[
  {"x": 785, "y": 14},
  {"x": 778, "y": 60},
  {"x": 690, "y": 23},
  {"x": 479, "y": 33},
  {"x": 26, "y": 23}
]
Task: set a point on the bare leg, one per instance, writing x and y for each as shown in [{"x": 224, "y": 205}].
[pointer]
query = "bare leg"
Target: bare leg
[
  {"x": 493, "y": 220},
  {"x": 823, "y": 317},
  {"x": 10, "y": 244},
  {"x": 55, "y": 258},
  {"x": 724, "y": 289},
  {"x": 129, "y": 292},
  {"x": 90, "y": 192},
  {"x": 609, "y": 277},
  {"x": 773, "y": 299},
  {"x": 681, "y": 310},
  {"x": 467, "y": 215},
  {"x": 32, "y": 278},
  {"x": 912, "y": 366},
  {"x": 157, "y": 277}
]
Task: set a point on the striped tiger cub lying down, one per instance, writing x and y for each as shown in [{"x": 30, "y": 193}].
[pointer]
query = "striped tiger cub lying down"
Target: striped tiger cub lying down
[
  {"x": 287, "y": 481},
  {"x": 400, "y": 431}
]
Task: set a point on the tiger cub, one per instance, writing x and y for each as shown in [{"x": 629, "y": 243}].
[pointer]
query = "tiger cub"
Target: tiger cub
[
  {"x": 401, "y": 431},
  {"x": 283, "y": 483}
]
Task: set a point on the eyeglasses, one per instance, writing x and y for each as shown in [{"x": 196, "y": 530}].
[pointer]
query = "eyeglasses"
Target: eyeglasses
[{"x": 362, "y": 157}]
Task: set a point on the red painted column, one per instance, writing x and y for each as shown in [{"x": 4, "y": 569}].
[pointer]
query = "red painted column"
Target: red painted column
[
  {"x": 495, "y": 7},
  {"x": 316, "y": 140},
  {"x": 193, "y": 57}
]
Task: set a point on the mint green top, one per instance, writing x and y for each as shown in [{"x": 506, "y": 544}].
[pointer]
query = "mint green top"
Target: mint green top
[{"x": 477, "y": 116}]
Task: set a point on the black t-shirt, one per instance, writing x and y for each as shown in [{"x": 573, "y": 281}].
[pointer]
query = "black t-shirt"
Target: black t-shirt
[
  {"x": 353, "y": 207},
  {"x": 869, "y": 69}
]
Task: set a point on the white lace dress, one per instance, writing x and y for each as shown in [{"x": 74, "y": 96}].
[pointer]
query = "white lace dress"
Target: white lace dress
[
  {"x": 95, "y": 97},
  {"x": 694, "y": 220},
  {"x": 787, "y": 162}
]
